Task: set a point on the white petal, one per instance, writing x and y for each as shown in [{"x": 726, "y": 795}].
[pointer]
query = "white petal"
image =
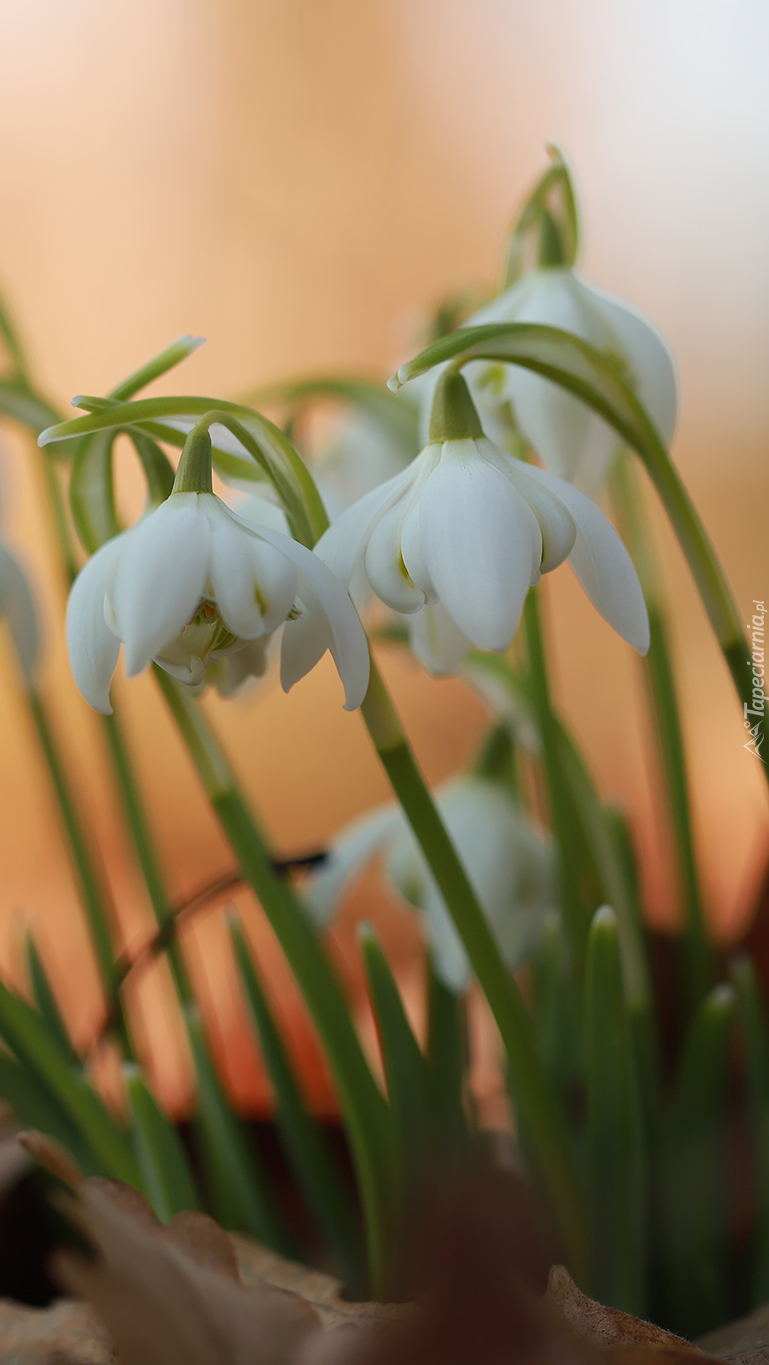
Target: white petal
[
  {"x": 519, "y": 930},
  {"x": 261, "y": 512},
  {"x": 450, "y": 961},
  {"x": 253, "y": 584},
  {"x": 603, "y": 564},
  {"x": 482, "y": 823},
  {"x": 160, "y": 577},
  {"x": 647, "y": 355},
  {"x": 192, "y": 671},
  {"x": 349, "y": 852},
  {"x": 93, "y": 648},
  {"x": 437, "y": 641},
  {"x": 408, "y": 870},
  {"x": 340, "y": 546},
  {"x": 17, "y": 606},
  {"x": 508, "y": 863},
  {"x": 555, "y": 522},
  {"x": 323, "y": 593},
  {"x": 561, "y": 428},
  {"x": 305, "y": 641},
  {"x": 385, "y": 569},
  {"x": 480, "y": 539},
  {"x": 412, "y": 552}
]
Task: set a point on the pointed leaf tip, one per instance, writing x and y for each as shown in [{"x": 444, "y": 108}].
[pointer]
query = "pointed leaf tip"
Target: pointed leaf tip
[{"x": 605, "y": 918}]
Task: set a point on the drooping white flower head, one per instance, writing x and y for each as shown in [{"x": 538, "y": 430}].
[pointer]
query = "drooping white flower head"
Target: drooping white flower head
[
  {"x": 510, "y": 864},
  {"x": 19, "y": 612},
  {"x": 466, "y": 529},
  {"x": 571, "y": 440},
  {"x": 192, "y": 585}
]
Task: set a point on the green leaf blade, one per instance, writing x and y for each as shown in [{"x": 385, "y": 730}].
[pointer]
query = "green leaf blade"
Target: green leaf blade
[
  {"x": 166, "y": 1175},
  {"x": 238, "y": 1185},
  {"x": 406, "y": 1071},
  {"x": 616, "y": 1160},
  {"x": 693, "y": 1196},
  {"x": 173, "y": 355},
  {"x": 754, "y": 1026},
  {"x": 312, "y": 1160},
  {"x": 27, "y": 1035}
]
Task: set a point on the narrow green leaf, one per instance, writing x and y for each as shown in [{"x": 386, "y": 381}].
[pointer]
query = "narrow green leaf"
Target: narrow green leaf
[
  {"x": 693, "y": 1201},
  {"x": 497, "y": 759},
  {"x": 594, "y": 869},
  {"x": 546, "y": 232},
  {"x": 448, "y": 1054},
  {"x": 35, "y": 1106},
  {"x": 579, "y": 886},
  {"x": 257, "y": 436},
  {"x": 11, "y": 339},
  {"x": 558, "y": 1011},
  {"x": 179, "y": 350},
  {"x": 166, "y": 1176},
  {"x": 46, "y": 1000},
  {"x": 660, "y": 678},
  {"x": 643, "y": 1015},
  {"x": 616, "y": 1161},
  {"x": 92, "y": 492},
  {"x": 158, "y": 470},
  {"x": 755, "y": 1035},
  {"x": 406, "y": 1070},
  {"x": 238, "y": 1185},
  {"x": 23, "y": 404},
  {"x": 231, "y": 465},
  {"x": 91, "y": 881},
  {"x": 27, "y": 1035},
  {"x": 587, "y": 804},
  {"x": 310, "y": 1155}
]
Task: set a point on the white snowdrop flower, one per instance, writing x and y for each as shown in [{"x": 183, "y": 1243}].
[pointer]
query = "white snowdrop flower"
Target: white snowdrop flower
[
  {"x": 510, "y": 864},
  {"x": 19, "y": 612},
  {"x": 469, "y": 527},
  {"x": 571, "y": 440},
  {"x": 193, "y": 584}
]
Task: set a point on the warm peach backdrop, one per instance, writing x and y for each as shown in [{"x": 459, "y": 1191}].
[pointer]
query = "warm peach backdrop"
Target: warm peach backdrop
[{"x": 297, "y": 180}]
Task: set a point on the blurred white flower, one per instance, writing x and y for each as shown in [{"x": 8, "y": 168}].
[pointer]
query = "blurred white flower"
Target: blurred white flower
[
  {"x": 19, "y": 612},
  {"x": 510, "y": 864},
  {"x": 469, "y": 527},
  {"x": 366, "y": 453},
  {"x": 571, "y": 440},
  {"x": 193, "y": 584}
]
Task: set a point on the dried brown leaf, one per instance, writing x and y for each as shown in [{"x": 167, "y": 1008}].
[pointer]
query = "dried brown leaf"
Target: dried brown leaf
[
  {"x": 626, "y": 1339},
  {"x": 50, "y": 1154},
  {"x": 64, "y": 1332},
  {"x": 257, "y": 1264},
  {"x": 168, "y": 1296},
  {"x": 188, "y": 1294}
]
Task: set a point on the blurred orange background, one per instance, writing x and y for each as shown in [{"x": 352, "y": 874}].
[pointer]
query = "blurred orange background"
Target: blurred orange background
[{"x": 300, "y": 182}]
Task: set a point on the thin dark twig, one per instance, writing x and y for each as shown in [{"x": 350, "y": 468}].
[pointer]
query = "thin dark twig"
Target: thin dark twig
[{"x": 134, "y": 960}]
